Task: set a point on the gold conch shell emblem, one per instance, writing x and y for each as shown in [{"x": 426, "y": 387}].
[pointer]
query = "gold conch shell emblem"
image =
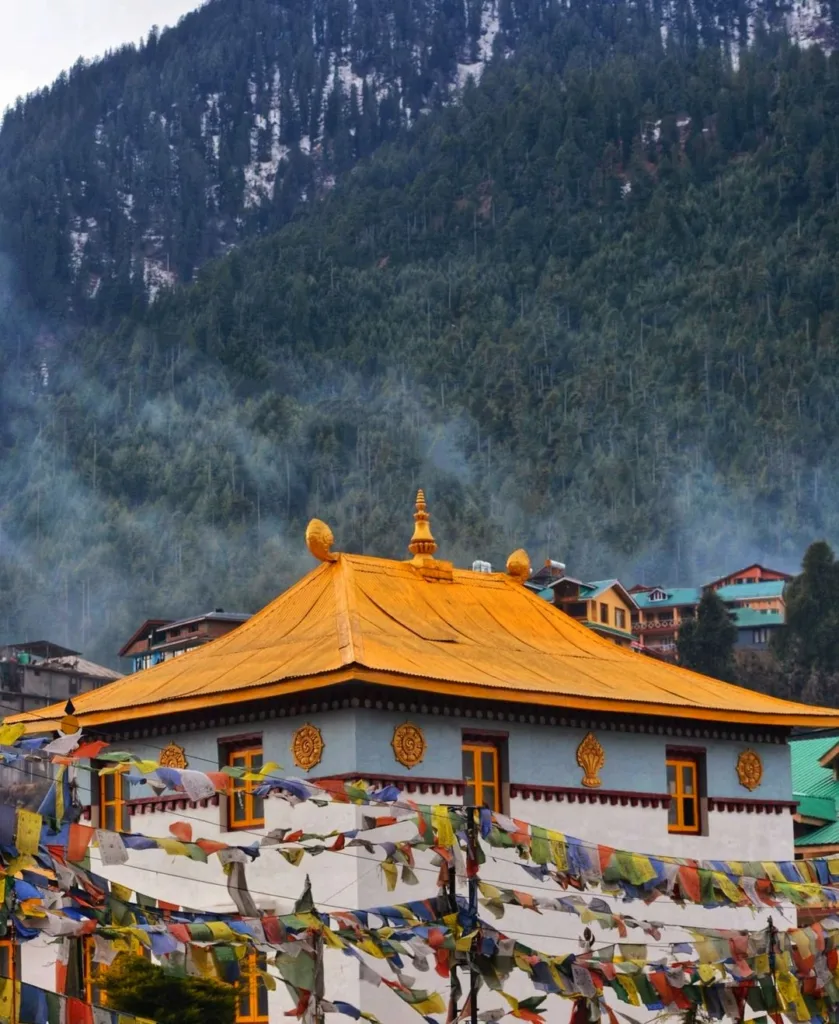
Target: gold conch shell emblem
[
  {"x": 749, "y": 769},
  {"x": 591, "y": 758}
]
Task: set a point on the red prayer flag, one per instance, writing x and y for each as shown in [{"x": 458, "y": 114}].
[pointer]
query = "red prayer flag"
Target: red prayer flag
[{"x": 78, "y": 842}]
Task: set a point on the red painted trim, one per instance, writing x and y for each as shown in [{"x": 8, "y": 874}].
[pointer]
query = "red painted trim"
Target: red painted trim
[
  {"x": 494, "y": 735},
  {"x": 615, "y": 797},
  {"x": 239, "y": 739},
  {"x": 736, "y": 803},
  {"x": 412, "y": 784},
  {"x": 169, "y": 802},
  {"x": 673, "y": 748}
]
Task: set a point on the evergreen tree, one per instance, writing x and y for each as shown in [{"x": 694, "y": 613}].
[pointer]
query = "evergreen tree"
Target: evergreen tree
[
  {"x": 809, "y": 641},
  {"x": 137, "y": 986},
  {"x": 706, "y": 643}
]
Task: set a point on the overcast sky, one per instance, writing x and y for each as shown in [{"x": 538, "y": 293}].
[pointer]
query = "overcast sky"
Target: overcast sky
[{"x": 41, "y": 38}]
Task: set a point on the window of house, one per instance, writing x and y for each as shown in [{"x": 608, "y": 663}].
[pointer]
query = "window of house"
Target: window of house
[
  {"x": 760, "y": 636},
  {"x": 482, "y": 774},
  {"x": 244, "y": 808},
  {"x": 113, "y": 802},
  {"x": 9, "y": 957},
  {"x": 620, "y": 618},
  {"x": 252, "y": 1004},
  {"x": 92, "y": 974},
  {"x": 604, "y": 613},
  {"x": 683, "y": 782}
]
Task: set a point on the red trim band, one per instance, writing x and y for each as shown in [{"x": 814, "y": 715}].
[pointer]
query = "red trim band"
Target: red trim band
[
  {"x": 615, "y": 797},
  {"x": 736, "y": 803}
]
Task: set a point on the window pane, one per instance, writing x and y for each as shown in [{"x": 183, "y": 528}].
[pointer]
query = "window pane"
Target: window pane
[
  {"x": 257, "y": 807},
  {"x": 256, "y": 760},
  {"x": 671, "y": 779},
  {"x": 687, "y": 779},
  {"x": 489, "y": 798},
  {"x": 108, "y": 787},
  {"x": 469, "y": 796},
  {"x": 468, "y": 765},
  {"x": 262, "y": 998},
  {"x": 488, "y": 766},
  {"x": 689, "y": 813},
  {"x": 5, "y": 961}
]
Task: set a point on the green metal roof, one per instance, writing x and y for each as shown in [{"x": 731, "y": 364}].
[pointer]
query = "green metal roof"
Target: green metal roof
[
  {"x": 675, "y": 596},
  {"x": 750, "y": 617},
  {"x": 611, "y": 630},
  {"x": 824, "y": 836},
  {"x": 747, "y": 591},
  {"x": 808, "y": 776}
]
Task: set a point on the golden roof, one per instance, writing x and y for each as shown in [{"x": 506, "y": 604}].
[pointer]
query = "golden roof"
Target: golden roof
[{"x": 425, "y": 626}]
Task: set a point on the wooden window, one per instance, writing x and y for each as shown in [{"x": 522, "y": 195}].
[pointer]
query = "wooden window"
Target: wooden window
[
  {"x": 252, "y": 1004},
  {"x": 92, "y": 974},
  {"x": 482, "y": 774},
  {"x": 113, "y": 802},
  {"x": 604, "y": 614},
  {"x": 244, "y": 808},
  {"x": 9, "y": 957},
  {"x": 620, "y": 618},
  {"x": 683, "y": 781}
]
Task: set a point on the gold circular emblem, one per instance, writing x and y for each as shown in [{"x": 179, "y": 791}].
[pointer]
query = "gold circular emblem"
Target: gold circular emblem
[
  {"x": 307, "y": 746},
  {"x": 749, "y": 769},
  {"x": 408, "y": 744},
  {"x": 173, "y": 756}
]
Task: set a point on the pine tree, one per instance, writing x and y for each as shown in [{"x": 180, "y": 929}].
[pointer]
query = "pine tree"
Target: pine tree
[{"x": 706, "y": 643}]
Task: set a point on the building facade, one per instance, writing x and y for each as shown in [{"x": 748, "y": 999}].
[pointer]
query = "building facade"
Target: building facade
[
  {"x": 605, "y": 606},
  {"x": 158, "y": 640},
  {"x": 38, "y": 673},
  {"x": 456, "y": 686}
]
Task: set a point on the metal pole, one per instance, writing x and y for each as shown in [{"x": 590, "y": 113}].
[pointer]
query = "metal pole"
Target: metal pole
[
  {"x": 472, "y": 854},
  {"x": 452, "y": 899}
]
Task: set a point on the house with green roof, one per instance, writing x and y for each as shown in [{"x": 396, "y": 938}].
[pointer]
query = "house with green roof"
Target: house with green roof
[
  {"x": 605, "y": 606},
  {"x": 815, "y": 785}
]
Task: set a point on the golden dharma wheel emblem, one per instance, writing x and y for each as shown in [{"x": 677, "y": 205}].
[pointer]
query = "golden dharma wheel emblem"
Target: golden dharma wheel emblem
[
  {"x": 749, "y": 769},
  {"x": 173, "y": 756},
  {"x": 408, "y": 744},
  {"x": 307, "y": 746},
  {"x": 591, "y": 758}
]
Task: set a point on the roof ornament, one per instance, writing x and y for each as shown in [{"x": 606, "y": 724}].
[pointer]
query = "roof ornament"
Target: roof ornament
[
  {"x": 422, "y": 542},
  {"x": 319, "y": 540},
  {"x": 518, "y": 565}
]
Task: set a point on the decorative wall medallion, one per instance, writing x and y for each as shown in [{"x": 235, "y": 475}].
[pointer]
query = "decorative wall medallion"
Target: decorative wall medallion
[
  {"x": 590, "y": 758},
  {"x": 408, "y": 744},
  {"x": 307, "y": 746},
  {"x": 173, "y": 756},
  {"x": 749, "y": 769}
]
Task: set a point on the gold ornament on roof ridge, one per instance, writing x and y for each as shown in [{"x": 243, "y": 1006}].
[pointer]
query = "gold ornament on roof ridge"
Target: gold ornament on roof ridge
[
  {"x": 749, "y": 769},
  {"x": 173, "y": 756},
  {"x": 422, "y": 542},
  {"x": 319, "y": 540},
  {"x": 408, "y": 744},
  {"x": 307, "y": 746},
  {"x": 518, "y": 565},
  {"x": 591, "y": 758}
]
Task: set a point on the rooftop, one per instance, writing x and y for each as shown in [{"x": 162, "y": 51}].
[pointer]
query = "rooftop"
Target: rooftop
[
  {"x": 425, "y": 626},
  {"x": 815, "y": 787},
  {"x": 675, "y": 596},
  {"x": 748, "y": 618},
  {"x": 748, "y": 591}
]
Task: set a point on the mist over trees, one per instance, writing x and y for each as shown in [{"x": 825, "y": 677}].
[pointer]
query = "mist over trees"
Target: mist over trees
[{"x": 591, "y": 308}]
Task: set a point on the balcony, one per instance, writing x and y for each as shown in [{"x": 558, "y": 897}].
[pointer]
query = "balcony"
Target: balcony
[{"x": 656, "y": 626}]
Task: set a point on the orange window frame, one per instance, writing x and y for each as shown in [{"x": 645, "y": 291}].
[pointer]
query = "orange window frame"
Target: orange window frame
[
  {"x": 113, "y": 807},
  {"x": 8, "y": 958},
  {"x": 92, "y": 973},
  {"x": 252, "y": 991},
  {"x": 244, "y": 809},
  {"x": 680, "y": 797},
  {"x": 483, "y": 786}
]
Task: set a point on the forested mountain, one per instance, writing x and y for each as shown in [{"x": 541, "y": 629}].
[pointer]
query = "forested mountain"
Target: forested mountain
[
  {"x": 591, "y": 307},
  {"x": 128, "y": 174}
]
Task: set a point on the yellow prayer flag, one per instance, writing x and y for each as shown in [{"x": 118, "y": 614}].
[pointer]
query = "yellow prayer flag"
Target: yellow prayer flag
[
  {"x": 442, "y": 825},
  {"x": 6, "y": 997},
  {"x": 121, "y": 892},
  {"x": 331, "y": 939},
  {"x": 173, "y": 846},
  {"x": 28, "y": 831},
  {"x": 220, "y": 930},
  {"x": 10, "y": 734},
  {"x": 434, "y": 1004}
]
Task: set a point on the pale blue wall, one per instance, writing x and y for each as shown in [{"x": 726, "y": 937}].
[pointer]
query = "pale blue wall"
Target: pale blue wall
[{"x": 359, "y": 740}]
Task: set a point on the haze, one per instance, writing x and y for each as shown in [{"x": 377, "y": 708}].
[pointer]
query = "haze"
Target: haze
[{"x": 42, "y": 38}]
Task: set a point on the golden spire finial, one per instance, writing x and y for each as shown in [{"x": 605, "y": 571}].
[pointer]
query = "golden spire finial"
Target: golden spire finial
[
  {"x": 319, "y": 540},
  {"x": 422, "y": 543},
  {"x": 518, "y": 565}
]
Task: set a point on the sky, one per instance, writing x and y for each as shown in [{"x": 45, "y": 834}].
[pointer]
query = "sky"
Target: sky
[{"x": 42, "y": 38}]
